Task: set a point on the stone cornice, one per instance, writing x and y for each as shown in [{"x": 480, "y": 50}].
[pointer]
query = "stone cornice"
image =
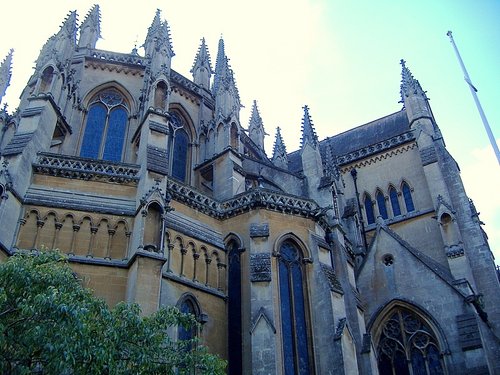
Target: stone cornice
[{"x": 369, "y": 151}]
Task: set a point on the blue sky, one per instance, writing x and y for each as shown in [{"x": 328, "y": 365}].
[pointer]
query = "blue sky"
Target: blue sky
[{"x": 339, "y": 57}]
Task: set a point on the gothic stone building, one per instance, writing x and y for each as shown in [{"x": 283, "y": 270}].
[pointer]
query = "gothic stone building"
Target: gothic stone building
[{"x": 357, "y": 254}]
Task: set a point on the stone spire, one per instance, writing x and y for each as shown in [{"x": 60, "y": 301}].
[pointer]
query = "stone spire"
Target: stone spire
[
  {"x": 308, "y": 132},
  {"x": 202, "y": 69},
  {"x": 413, "y": 97},
  {"x": 256, "y": 127},
  {"x": 90, "y": 29},
  {"x": 5, "y": 73},
  {"x": 221, "y": 56},
  {"x": 280, "y": 157},
  {"x": 158, "y": 38}
]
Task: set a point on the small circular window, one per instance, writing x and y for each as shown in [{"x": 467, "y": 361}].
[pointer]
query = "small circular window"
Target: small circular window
[{"x": 388, "y": 260}]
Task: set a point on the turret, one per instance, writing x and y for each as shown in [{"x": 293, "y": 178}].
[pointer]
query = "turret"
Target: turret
[
  {"x": 280, "y": 158},
  {"x": 202, "y": 70},
  {"x": 90, "y": 29},
  {"x": 5, "y": 73},
  {"x": 256, "y": 127}
]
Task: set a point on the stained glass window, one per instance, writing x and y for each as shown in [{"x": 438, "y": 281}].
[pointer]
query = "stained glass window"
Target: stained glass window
[
  {"x": 382, "y": 208},
  {"x": 408, "y": 345},
  {"x": 293, "y": 311},
  {"x": 393, "y": 195},
  {"x": 105, "y": 128},
  {"x": 234, "y": 310},
  {"x": 407, "y": 197},
  {"x": 370, "y": 217},
  {"x": 180, "y": 155}
]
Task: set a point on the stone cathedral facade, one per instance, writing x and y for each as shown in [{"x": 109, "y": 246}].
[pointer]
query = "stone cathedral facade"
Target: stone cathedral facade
[{"x": 356, "y": 254}]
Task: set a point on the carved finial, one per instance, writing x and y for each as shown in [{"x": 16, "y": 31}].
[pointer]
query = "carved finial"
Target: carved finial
[
  {"x": 308, "y": 132},
  {"x": 158, "y": 37},
  {"x": 256, "y": 127}
]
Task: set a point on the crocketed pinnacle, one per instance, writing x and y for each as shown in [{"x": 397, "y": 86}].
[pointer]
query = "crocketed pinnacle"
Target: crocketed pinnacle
[
  {"x": 219, "y": 62},
  {"x": 202, "y": 58},
  {"x": 279, "y": 149},
  {"x": 409, "y": 85},
  {"x": 5, "y": 73},
  {"x": 158, "y": 36},
  {"x": 255, "y": 119},
  {"x": 68, "y": 28},
  {"x": 308, "y": 132},
  {"x": 90, "y": 29}
]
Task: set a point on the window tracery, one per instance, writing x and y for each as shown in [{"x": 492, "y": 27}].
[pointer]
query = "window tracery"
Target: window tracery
[
  {"x": 408, "y": 345},
  {"x": 105, "y": 127}
]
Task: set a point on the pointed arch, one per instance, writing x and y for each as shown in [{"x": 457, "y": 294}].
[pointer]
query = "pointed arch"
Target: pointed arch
[
  {"x": 394, "y": 198},
  {"x": 408, "y": 340},
  {"x": 183, "y": 134},
  {"x": 234, "y": 137},
  {"x": 188, "y": 304},
  {"x": 382, "y": 207},
  {"x": 160, "y": 95},
  {"x": 153, "y": 226},
  {"x": 46, "y": 79},
  {"x": 368, "y": 203},
  {"x": 294, "y": 311},
  {"x": 407, "y": 196}
]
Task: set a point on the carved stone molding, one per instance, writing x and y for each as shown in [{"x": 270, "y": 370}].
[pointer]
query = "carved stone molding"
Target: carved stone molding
[{"x": 260, "y": 267}]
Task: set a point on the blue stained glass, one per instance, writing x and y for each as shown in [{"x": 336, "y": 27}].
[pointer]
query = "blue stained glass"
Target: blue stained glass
[
  {"x": 382, "y": 208},
  {"x": 115, "y": 136},
  {"x": 435, "y": 367},
  {"x": 418, "y": 362},
  {"x": 94, "y": 130},
  {"x": 180, "y": 155},
  {"x": 300, "y": 320},
  {"x": 400, "y": 365},
  {"x": 396, "y": 209},
  {"x": 408, "y": 199},
  {"x": 234, "y": 311},
  {"x": 286, "y": 320},
  {"x": 370, "y": 217}
]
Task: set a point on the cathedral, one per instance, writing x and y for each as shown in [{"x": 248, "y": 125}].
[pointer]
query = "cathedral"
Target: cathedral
[{"x": 356, "y": 254}]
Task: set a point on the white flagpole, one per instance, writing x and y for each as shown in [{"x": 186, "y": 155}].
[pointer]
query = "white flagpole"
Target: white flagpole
[{"x": 473, "y": 91}]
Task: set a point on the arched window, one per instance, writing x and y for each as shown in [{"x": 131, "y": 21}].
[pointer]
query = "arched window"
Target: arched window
[
  {"x": 382, "y": 208},
  {"x": 293, "y": 303},
  {"x": 407, "y": 197},
  {"x": 370, "y": 216},
  {"x": 407, "y": 345},
  {"x": 234, "y": 309},
  {"x": 187, "y": 306},
  {"x": 393, "y": 195},
  {"x": 105, "y": 128},
  {"x": 180, "y": 152}
]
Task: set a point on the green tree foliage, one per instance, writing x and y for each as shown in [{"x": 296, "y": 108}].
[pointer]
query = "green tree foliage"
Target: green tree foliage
[{"x": 50, "y": 324}]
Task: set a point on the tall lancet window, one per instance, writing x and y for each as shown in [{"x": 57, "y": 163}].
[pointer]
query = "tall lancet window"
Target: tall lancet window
[
  {"x": 382, "y": 208},
  {"x": 180, "y": 153},
  {"x": 370, "y": 216},
  {"x": 294, "y": 330},
  {"x": 393, "y": 195},
  {"x": 105, "y": 127},
  {"x": 407, "y": 197},
  {"x": 234, "y": 309}
]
